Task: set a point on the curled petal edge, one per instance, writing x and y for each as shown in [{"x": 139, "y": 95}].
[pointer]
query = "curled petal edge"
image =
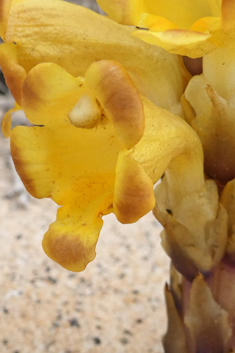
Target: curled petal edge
[{"x": 112, "y": 86}]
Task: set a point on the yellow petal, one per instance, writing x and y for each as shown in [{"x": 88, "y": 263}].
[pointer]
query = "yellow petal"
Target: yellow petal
[
  {"x": 57, "y": 161},
  {"x": 183, "y": 42},
  {"x": 170, "y": 145},
  {"x": 203, "y": 25},
  {"x": 71, "y": 239},
  {"x": 133, "y": 192},
  {"x": 49, "y": 93},
  {"x": 182, "y": 13}
]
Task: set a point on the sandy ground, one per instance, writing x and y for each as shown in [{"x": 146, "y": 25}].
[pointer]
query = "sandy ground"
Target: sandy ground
[{"x": 115, "y": 306}]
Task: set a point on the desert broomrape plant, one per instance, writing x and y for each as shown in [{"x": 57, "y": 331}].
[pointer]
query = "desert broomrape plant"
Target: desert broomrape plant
[
  {"x": 201, "y": 303},
  {"x": 111, "y": 116}
]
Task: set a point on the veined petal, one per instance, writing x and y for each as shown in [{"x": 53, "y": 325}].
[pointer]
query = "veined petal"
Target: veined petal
[{"x": 48, "y": 37}]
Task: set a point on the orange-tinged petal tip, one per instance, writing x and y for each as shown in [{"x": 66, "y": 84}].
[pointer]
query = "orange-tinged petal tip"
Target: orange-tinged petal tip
[
  {"x": 71, "y": 243},
  {"x": 114, "y": 89},
  {"x": 68, "y": 251},
  {"x": 133, "y": 191}
]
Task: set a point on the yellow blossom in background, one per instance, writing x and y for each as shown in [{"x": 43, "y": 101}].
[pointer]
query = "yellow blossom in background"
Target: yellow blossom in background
[
  {"x": 74, "y": 37},
  {"x": 185, "y": 27}
]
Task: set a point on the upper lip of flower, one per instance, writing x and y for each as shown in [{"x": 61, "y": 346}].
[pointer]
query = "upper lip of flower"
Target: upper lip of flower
[{"x": 75, "y": 44}]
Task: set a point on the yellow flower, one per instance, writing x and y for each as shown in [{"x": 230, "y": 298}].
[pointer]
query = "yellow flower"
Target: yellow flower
[
  {"x": 97, "y": 147},
  {"x": 37, "y": 31},
  {"x": 186, "y": 27}
]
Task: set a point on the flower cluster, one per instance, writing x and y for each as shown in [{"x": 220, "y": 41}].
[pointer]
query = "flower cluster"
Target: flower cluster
[{"x": 114, "y": 109}]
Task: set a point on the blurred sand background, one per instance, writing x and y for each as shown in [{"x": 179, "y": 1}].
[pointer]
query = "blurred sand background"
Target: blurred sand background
[{"x": 115, "y": 306}]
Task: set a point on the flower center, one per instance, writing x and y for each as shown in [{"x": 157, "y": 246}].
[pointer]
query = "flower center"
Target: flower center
[{"x": 85, "y": 113}]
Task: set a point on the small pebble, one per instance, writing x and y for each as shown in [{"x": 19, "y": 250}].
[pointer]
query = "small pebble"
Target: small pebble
[
  {"x": 52, "y": 280},
  {"x": 124, "y": 340},
  {"x": 97, "y": 340},
  {"x": 74, "y": 322},
  {"x": 139, "y": 321}
]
